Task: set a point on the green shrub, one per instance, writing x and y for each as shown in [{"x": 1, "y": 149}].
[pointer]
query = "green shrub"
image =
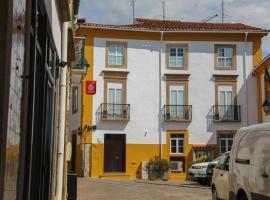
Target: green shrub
[{"x": 156, "y": 167}]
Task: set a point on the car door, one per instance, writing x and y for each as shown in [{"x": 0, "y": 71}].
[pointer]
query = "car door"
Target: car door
[{"x": 222, "y": 177}]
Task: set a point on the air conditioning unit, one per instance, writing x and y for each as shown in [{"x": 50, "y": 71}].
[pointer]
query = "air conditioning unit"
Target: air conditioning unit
[{"x": 177, "y": 166}]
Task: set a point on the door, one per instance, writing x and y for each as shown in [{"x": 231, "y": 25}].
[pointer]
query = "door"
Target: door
[
  {"x": 115, "y": 99},
  {"x": 226, "y": 102},
  {"x": 114, "y": 153},
  {"x": 73, "y": 154},
  {"x": 177, "y": 102}
]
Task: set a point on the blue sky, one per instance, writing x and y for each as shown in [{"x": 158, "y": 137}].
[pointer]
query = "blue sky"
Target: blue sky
[{"x": 252, "y": 12}]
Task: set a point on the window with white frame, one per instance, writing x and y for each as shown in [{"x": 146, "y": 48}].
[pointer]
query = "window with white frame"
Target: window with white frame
[
  {"x": 226, "y": 141},
  {"x": 225, "y": 56},
  {"x": 177, "y": 143},
  {"x": 176, "y": 57},
  {"x": 116, "y": 54}
]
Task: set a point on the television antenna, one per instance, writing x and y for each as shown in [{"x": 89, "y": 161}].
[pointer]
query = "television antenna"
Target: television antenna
[
  {"x": 132, "y": 2},
  {"x": 163, "y": 10},
  {"x": 209, "y": 18},
  {"x": 222, "y": 11}
]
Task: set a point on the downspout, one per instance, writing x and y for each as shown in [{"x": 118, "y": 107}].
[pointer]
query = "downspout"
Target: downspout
[
  {"x": 244, "y": 76},
  {"x": 159, "y": 100},
  {"x": 62, "y": 114}
]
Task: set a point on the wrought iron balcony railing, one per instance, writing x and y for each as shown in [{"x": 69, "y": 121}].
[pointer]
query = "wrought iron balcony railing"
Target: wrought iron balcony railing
[
  {"x": 109, "y": 111},
  {"x": 226, "y": 113},
  {"x": 177, "y": 112}
]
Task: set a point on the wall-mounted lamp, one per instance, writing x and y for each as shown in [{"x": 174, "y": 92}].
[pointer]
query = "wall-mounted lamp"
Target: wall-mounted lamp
[
  {"x": 266, "y": 107},
  {"x": 61, "y": 64}
]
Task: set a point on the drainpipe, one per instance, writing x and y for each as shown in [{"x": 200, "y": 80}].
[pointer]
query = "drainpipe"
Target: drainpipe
[
  {"x": 244, "y": 76},
  {"x": 62, "y": 114},
  {"x": 159, "y": 100}
]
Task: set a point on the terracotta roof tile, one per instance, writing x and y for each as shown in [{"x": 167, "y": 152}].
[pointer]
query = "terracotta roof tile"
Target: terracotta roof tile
[{"x": 173, "y": 25}]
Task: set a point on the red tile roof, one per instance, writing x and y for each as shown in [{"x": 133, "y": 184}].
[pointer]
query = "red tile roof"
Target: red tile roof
[{"x": 179, "y": 26}]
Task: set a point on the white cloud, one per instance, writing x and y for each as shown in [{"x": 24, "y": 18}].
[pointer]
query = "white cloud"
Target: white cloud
[{"x": 251, "y": 12}]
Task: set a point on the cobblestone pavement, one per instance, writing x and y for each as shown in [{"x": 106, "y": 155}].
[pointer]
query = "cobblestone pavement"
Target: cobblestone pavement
[{"x": 102, "y": 189}]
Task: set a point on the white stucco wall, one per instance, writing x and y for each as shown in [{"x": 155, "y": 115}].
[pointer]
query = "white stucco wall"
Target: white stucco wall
[
  {"x": 142, "y": 91},
  {"x": 74, "y": 119}
]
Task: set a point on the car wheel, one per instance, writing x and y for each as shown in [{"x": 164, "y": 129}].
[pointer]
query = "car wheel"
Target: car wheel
[{"x": 214, "y": 194}]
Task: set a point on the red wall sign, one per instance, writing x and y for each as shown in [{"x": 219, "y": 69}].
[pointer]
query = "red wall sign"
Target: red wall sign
[{"x": 90, "y": 87}]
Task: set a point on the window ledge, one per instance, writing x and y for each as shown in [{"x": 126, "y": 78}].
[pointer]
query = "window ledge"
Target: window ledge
[
  {"x": 176, "y": 71},
  {"x": 116, "y": 70}
]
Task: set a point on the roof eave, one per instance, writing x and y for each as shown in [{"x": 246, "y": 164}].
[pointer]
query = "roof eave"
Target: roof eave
[{"x": 176, "y": 31}]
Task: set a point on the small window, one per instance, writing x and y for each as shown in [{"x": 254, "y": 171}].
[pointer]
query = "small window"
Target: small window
[
  {"x": 116, "y": 54},
  {"x": 225, "y": 57},
  {"x": 226, "y": 141},
  {"x": 74, "y": 99},
  {"x": 177, "y": 143},
  {"x": 177, "y": 57}
]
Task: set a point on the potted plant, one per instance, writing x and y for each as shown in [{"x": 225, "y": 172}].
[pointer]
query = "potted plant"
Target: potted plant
[{"x": 158, "y": 168}]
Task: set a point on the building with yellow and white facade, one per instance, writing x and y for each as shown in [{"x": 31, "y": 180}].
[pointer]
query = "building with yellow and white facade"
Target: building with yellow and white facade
[{"x": 169, "y": 88}]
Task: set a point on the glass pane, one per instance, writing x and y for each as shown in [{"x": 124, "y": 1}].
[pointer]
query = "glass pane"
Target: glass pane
[
  {"x": 119, "y": 96},
  {"x": 111, "y": 95},
  {"x": 173, "y": 142},
  {"x": 119, "y": 60},
  {"x": 222, "y": 98},
  {"x": 112, "y": 60},
  {"x": 181, "y": 97},
  {"x": 180, "y": 61},
  {"x": 180, "y": 142},
  {"x": 221, "y": 62},
  {"x": 228, "y": 52},
  {"x": 229, "y": 62},
  {"x": 177, "y": 136},
  {"x": 181, "y": 149},
  {"x": 173, "y": 97},
  {"x": 172, "y": 51},
  {"x": 221, "y": 52},
  {"x": 223, "y": 143},
  {"x": 230, "y": 142},
  {"x": 120, "y": 50},
  {"x": 229, "y": 98},
  {"x": 112, "y": 50},
  {"x": 172, "y": 61},
  {"x": 180, "y": 52},
  {"x": 173, "y": 149},
  {"x": 222, "y": 149}
]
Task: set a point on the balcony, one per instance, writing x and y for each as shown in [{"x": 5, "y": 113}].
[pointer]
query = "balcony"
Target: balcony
[
  {"x": 108, "y": 111},
  {"x": 177, "y": 113},
  {"x": 222, "y": 113}
]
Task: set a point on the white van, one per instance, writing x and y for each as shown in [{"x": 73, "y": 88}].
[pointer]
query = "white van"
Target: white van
[{"x": 244, "y": 174}]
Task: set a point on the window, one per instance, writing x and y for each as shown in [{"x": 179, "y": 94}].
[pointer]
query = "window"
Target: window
[
  {"x": 225, "y": 57},
  {"x": 177, "y": 101},
  {"x": 74, "y": 99},
  {"x": 177, "y": 56},
  {"x": 116, "y": 54},
  {"x": 225, "y": 93},
  {"x": 177, "y": 143},
  {"x": 226, "y": 141}
]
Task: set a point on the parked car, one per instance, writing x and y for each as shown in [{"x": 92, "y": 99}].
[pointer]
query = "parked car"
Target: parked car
[
  {"x": 244, "y": 174},
  {"x": 202, "y": 172}
]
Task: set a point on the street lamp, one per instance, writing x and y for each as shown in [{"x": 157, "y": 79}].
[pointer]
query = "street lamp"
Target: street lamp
[{"x": 266, "y": 107}]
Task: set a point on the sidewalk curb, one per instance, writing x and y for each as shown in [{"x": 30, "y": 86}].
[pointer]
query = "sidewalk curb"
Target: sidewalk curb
[{"x": 168, "y": 184}]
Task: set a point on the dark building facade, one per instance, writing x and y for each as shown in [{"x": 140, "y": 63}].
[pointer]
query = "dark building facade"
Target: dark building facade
[{"x": 29, "y": 76}]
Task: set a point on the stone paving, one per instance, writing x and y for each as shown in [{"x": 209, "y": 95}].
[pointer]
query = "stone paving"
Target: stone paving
[{"x": 102, "y": 189}]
